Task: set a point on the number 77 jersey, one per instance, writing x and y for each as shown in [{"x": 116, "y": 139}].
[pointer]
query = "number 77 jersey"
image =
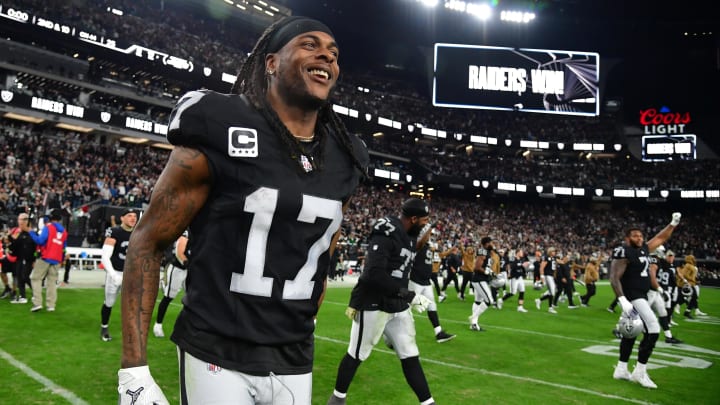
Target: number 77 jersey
[{"x": 260, "y": 243}]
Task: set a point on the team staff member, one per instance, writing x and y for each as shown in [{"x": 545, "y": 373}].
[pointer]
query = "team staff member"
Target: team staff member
[
  {"x": 591, "y": 277},
  {"x": 466, "y": 269},
  {"x": 52, "y": 247},
  {"x": 380, "y": 302},
  {"x": 630, "y": 279},
  {"x": 114, "y": 251},
  {"x": 453, "y": 263},
  {"x": 260, "y": 177},
  {"x": 21, "y": 253}
]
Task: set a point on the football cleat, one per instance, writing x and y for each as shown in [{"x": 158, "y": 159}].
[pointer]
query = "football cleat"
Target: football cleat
[
  {"x": 105, "y": 335},
  {"x": 688, "y": 315},
  {"x": 642, "y": 379},
  {"x": 673, "y": 323},
  {"x": 621, "y": 373},
  {"x": 158, "y": 330},
  {"x": 698, "y": 312},
  {"x": 443, "y": 337},
  {"x": 521, "y": 309},
  {"x": 499, "y": 303},
  {"x": 552, "y": 310},
  {"x": 51, "y": 309},
  {"x": 442, "y": 298},
  {"x": 336, "y": 400},
  {"x": 673, "y": 340},
  {"x": 477, "y": 328},
  {"x": 36, "y": 308},
  {"x": 460, "y": 297},
  {"x": 537, "y": 303},
  {"x": 572, "y": 306}
]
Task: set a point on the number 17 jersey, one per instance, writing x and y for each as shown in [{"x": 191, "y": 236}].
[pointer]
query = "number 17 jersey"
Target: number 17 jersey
[{"x": 260, "y": 243}]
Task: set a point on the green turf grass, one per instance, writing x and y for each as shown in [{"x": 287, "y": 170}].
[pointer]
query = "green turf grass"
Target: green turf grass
[{"x": 531, "y": 358}]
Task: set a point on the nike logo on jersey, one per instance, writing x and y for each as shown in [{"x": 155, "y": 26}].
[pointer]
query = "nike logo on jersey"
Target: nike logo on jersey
[{"x": 242, "y": 142}]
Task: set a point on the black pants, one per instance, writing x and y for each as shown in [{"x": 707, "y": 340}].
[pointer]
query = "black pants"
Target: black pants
[
  {"x": 590, "y": 292},
  {"x": 21, "y": 275},
  {"x": 451, "y": 277}
]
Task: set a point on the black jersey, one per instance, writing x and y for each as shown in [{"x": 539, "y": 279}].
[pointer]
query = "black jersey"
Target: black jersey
[
  {"x": 636, "y": 279},
  {"x": 422, "y": 268},
  {"x": 487, "y": 266},
  {"x": 122, "y": 240},
  {"x": 260, "y": 243},
  {"x": 551, "y": 266},
  {"x": 388, "y": 262},
  {"x": 517, "y": 268},
  {"x": 666, "y": 274}
]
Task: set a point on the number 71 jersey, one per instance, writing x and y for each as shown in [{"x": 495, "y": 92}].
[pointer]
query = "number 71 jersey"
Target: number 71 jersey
[
  {"x": 260, "y": 243},
  {"x": 637, "y": 276}
]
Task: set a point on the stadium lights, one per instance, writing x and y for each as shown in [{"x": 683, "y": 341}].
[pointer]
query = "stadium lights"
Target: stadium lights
[
  {"x": 429, "y": 3},
  {"x": 132, "y": 139},
  {"x": 76, "y": 128},
  {"x": 516, "y": 16},
  {"x": 476, "y": 183},
  {"x": 664, "y": 193},
  {"x": 22, "y": 117}
]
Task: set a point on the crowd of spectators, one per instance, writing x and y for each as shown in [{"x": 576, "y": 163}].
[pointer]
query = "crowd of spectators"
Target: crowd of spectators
[
  {"x": 223, "y": 45},
  {"x": 42, "y": 168}
]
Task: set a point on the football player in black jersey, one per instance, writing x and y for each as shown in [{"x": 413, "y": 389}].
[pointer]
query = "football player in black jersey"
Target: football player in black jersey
[
  {"x": 380, "y": 302},
  {"x": 483, "y": 298},
  {"x": 667, "y": 278},
  {"x": 630, "y": 280},
  {"x": 260, "y": 177},
  {"x": 656, "y": 299},
  {"x": 518, "y": 268},
  {"x": 113, "y": 255},
  {"x": 548, "y": 266},
  {"x": 420, "y": 282},
  {"x": 175, "y": 276}
]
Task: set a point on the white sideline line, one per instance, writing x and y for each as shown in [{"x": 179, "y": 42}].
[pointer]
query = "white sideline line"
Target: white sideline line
[
  {"x": 504, "y": 375},
  {"x": 51, "y": 386}
]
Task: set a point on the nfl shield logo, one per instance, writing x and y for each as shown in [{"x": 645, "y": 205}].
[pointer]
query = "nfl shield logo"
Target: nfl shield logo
[
  {"x": 306, "y": 163},
  {"x": 213, "y": 369}
]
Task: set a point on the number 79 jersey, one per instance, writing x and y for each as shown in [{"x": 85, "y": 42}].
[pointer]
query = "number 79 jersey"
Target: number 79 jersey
[
  {"x": 636, "y": 279},
  {"x": 260, "y": 243}
]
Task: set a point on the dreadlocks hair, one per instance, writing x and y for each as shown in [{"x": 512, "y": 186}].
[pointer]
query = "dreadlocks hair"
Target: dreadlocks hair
[{"x": 251, "y": 82}]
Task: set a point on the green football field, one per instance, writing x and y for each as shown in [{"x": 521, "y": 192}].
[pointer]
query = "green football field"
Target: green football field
[{"x": 521, "y": 358}]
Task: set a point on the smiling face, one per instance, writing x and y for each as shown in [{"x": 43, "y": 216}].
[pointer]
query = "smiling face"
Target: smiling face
[{"x": 305, "y": 70}]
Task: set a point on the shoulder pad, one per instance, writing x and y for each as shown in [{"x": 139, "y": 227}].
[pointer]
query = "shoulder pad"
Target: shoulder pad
[
  {"x": 383, "y": 226},
  {"x": 187, "y": 119}
]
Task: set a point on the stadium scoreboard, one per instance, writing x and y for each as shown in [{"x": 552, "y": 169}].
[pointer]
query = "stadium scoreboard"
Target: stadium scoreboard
[{"x": 531, "y": 80}]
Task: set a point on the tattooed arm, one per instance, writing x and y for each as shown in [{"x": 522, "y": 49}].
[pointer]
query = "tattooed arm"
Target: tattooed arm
[{"x": 180, "y": 192}]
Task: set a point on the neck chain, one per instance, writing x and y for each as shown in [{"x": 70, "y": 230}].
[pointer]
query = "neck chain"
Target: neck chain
[{"x": 305, "y": 139}]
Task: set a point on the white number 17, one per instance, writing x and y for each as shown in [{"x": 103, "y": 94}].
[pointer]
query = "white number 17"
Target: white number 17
[{"x": 263, "y": 203}]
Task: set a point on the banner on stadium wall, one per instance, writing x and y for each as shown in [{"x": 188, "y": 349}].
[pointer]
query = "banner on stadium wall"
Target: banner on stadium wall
[
  {"x": 531, "y": 80},
  {"x": 171, "y": 62},
  {"x": 61, "y": 109}
]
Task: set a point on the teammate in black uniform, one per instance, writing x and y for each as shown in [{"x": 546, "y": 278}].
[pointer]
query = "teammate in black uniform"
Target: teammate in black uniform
[
  {"x": 114, "y": 251},
  {"x": 548, "y": 266},
  {"x": 518, "y": 267},
  {"x": 483, "y": 298},
  {"x": 420, "y": 282},
  {"x": 380, "y": 302},
  {"x": 630, "y": 279},
  {"x": 175, "y": 276},
  {"x": 260, "y": 177}
]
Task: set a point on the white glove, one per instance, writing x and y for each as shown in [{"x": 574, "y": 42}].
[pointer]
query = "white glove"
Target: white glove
[
  {"x": 675, "y": 218},
  {"x": 420, "y": 303},
  {"x": 660, "y": 290},
  {"x": 137, "y": 387},
  {"x": 626, "y": 305}
]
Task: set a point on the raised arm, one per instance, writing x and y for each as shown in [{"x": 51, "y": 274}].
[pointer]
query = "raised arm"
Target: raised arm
[
  {"x": 178, "y": 195},
  {"x": 665, "y": 233}
]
